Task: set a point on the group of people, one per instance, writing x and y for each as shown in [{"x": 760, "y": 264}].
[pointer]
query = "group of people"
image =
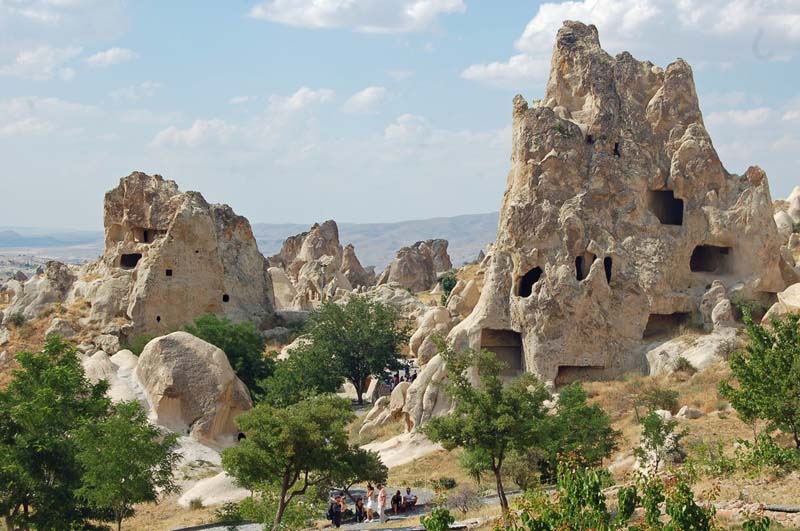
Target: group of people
[{"x": 374, "y": 508}]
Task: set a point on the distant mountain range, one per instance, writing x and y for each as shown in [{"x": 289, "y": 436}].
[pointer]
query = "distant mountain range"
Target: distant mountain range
[{"x": 375, "y": 243}]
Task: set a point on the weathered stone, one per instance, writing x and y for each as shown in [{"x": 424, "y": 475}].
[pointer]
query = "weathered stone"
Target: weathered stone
[
  {"x": 192, "y": 388},
  {"x": 50, "y": 286},
  {"x": 416, "y": 267},
  {"x": 690, "y": 413},
  {"x": 60, "y": 327}
]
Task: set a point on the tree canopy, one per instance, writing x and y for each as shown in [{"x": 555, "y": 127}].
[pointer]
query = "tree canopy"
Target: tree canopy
[
  {"x": 289, "y": 450},
  {"x": 362, "y": 338},
  {"x": 489, "y": 419},
  {"x": 241, "y": 342},
  {"x": 306, "y": 372},
  {"x": 766, "y": 375}
]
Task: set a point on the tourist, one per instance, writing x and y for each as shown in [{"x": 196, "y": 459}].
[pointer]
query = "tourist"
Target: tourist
[
  {"x": 343, "y": 503},
  {"x": 335, "y": 511},
  {"x": 409, "y": 500},
  {"x": 397, "y": 503},
  {"x": 396, "y": 379},
  {"x": 382, "y": 502},
  {"x": 361, "y": 513},
  {"x": 370, "y": 502}
]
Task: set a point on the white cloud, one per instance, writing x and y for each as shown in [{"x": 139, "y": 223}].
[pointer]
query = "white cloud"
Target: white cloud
[
  {"x": 201, "y": 131},
  {"x": 34, "y": 116},
  {"x": 26, "y": 127},
  {"x": 110, "y": 57},
  {"x": 146, "y": 89},
  {"x": 518, "y": 68},
  {"x": 304, "y": 97},
  {"x": 705, "y": 32},
  {"x": 370, "y": 16},
  {"x": 365, "y": 100},
  {"x": 42, "y": 63},
  {"x": 742, "y": 118},
  {"x": 238, "y": 100}
]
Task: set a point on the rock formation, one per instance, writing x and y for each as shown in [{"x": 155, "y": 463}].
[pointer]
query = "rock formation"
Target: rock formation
[
  {"x": 619, "y": 226},
  {"x": 312, "y": 267},
  {"x": 192, "y": 388},
  {"x": 416, "y": 267},
  {"x": 617, "y": 218},
  {"x": 34, "y": 295}
]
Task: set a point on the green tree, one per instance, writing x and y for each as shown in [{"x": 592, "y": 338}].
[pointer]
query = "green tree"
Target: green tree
[
  {"x": 125, "y": 460},
  {"x": 363, "y": 337},
  {"x": 47, "y": 400},
  {"x": 358, "y": 466},
  {"x": 241, "y": 342},
  {"x": 288, "y": 450},
  {"x": 490, "y": 419},
  {"x": 766, "y": 375},
  {"x": 306, "y": 372},
  {"x": 659, "y": 441}
]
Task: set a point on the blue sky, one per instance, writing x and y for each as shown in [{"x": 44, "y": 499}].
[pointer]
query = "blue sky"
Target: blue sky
[{"x": 357, "y": 110}]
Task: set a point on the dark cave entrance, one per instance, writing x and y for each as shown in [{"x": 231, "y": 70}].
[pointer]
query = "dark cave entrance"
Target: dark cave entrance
[
  {"x": 528, "y": 280},
  {"x": 666, "y": 207},
  {"x": 507, "y": 346}
]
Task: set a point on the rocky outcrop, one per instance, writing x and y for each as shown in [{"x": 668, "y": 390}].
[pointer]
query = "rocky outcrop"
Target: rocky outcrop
[
  {"x": 192, "y": 388},
  {"x": 416, "y": 267},
  {"x": 434, "y": 322},
  {"x": 617, "y": 216},
  {"x": 788, "y": 302},
  {"x": 50, "y": 286},
  {"x": 317, "y": 267}
]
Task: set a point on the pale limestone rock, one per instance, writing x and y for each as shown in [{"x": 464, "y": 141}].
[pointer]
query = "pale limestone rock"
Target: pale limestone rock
[
  {"x": 212, "y": 491},
  {"x": 788, "y": 302},
  {"x": 283, "y": 287},
  {"x": 352, "y": 269},
  {"x": 99, "y": 366},
  {"x": 589, "y": 245},
  {"x": 192, "y": 388},
  {"x": 690, "y": 413},
  {"x": 60, "y": 327},
  {"x": 107, "y": 343},
  {"x": 416, "y": 267},
  {"x": 701, "y": 351},
  {"x": 49, "y": 287},
  {"x": 5, "y": 336},
  {"x": 784, "y": 222},
  {"x": 464, "y": 298}
]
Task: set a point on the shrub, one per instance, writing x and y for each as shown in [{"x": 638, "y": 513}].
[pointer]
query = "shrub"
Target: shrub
[
  {"x": 684, "y": 365},
  {"x": 653, "y": 397},
  {"x": 448, "y": 282},
  {"x": 444, "y": 483},
  {"x": 439, "y": 520},
  {"x": 16, "y": 319},
  {"x": 196, "y": 504},
  {"x": 465, "y": 499}
]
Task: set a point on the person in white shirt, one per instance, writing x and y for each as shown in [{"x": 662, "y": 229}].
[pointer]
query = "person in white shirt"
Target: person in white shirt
[
  {"x": 382, "y": 503},
  {"x": 409, "y": 500}
]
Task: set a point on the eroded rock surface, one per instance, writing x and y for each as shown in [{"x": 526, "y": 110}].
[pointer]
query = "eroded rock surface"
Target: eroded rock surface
[{"x": 415, "y": 267}]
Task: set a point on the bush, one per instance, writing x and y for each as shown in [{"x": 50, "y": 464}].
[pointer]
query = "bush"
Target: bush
[
  {"x": 444, "y": 483},
  {"x": 653, "y": 397},
  {"x": 241, "y": 342},
  {"x": 465, "y": 499},
  {"x": 16, "y": 319},
  {"x": 196, "y": 504},
  {"x": 448, "y": 282},
  {"x": 685, "y": 366},
  {"x": 439, "y": 520}
]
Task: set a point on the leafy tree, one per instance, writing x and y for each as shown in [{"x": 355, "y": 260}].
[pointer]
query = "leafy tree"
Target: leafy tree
[
  {"x": 241, "y": 342},
  {"x": 766, "y": 375},
  {"x": 362, "y": 336},
  {"x": 47, "y": 400},
  {"x": 306, "y": 372},
  {"x": 448, "y": 281},
  {"x": 125, "y": 460},
  {"x": 577, "y": 428},
  {"x": 440, "y": 519},
  {"x": 358, "y": 466},
  {"x": 659, "y": 441},
  {"x": 289, "y": 450},
  {"x": 490, "y": 418}
]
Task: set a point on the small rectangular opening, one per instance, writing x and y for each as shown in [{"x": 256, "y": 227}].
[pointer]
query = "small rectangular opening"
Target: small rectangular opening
[
  {"x": 666, "y": 207},
  {"x": 169, "y": 272},
  {"x": 711, "y": 259},
  {"x": 665, "y": 324},
  {"x": 507, "y": 346},
  {"x": 129, "y": 261}
]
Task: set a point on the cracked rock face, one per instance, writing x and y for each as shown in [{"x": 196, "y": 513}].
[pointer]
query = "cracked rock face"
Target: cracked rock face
[
  {"x": 176, "y": 257},
  {"x": 617, "y": 217},
  {"x": 416, "y": 267}
]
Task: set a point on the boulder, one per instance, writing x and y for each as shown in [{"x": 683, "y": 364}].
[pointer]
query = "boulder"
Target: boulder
[
  {"x": 283, "y": 287},
  {"x": 107, "y": 342},
  {"x": 60, "y": 327},
  {"x": 192, "y": 388},
  {"x": 464, "y": 298},
  {"x": 690, "y": 413},
  {"x": 701, "y": 351},
  {"x": 50, "y": 286}
]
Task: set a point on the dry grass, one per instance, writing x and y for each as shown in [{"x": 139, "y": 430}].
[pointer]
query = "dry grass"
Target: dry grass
[
  {"x": 167, "y": 515},
  {"x": 423, "y": 471}
]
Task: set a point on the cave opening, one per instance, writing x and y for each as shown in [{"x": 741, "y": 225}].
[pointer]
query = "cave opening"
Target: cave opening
[
  {"x": 129, "y": 260},
  {"x": 666, "y": 207},
  {"x": 583, "y": 263},
  {"x": 711, "y": 259},
  {"x": 528, "y": 280},
  {"x": 662, "y": 324},
  {"x": 507, "y": 346},
  {"x": 607, "y": 267}
]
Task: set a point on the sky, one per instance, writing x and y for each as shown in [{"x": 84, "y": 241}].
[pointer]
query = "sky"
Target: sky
[{"x": 356, "y": 110}]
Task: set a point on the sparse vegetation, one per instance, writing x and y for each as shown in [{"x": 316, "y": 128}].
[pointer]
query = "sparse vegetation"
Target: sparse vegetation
[
  {"x": 195, "y": 504},
  {"x": 685, "y": 366},
  {"x": 16, "y": 319}
]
